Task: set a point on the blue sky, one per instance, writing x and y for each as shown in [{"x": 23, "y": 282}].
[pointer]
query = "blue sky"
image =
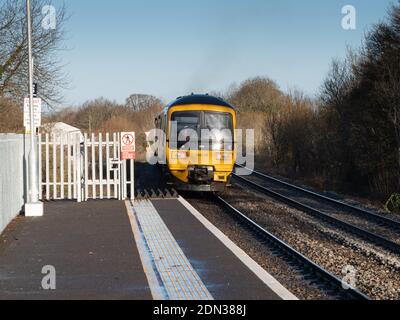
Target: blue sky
[{"x": 174, "y": 47}]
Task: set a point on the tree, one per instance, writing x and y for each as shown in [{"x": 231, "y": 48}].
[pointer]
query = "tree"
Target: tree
[
  {"x": 257, "y": 94},
  {"x": 11, "y": 118},
  {"x": 382, "y": 72},
  {"x": 139, "y": 102},
  {"x": 46, "y": 42},
  {"x": 363, "y": 94},
  {"x": 339, "y": 83},
  {"x": 92, "y": 114}
]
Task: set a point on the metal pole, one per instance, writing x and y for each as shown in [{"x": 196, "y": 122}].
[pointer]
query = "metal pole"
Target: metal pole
[{"x": 34, "y": 208}]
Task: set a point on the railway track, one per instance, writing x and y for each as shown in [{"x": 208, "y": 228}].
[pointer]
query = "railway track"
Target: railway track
[
  {"x": 309, "y": 209},
  {"x": 359, "y": 211},
  {"x": 311, "y": 270}
]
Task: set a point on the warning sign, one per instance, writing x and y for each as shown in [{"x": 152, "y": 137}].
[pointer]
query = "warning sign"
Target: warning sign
[{"x": 128, "y": 148}]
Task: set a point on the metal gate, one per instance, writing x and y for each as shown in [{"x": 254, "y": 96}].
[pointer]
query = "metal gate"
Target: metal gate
[{"x": 80, "y": 167}]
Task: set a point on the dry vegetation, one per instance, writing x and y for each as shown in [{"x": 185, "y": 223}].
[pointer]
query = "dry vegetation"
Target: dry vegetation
[
  {"x": 14, "y": 61},
  {"x": 11, "y": 117},
  {"x": 46, "y": 45},
  {"x": 348, "y": 139},
  {"x": 287, "y": 128},
  {"x": 102, "y": 115}
]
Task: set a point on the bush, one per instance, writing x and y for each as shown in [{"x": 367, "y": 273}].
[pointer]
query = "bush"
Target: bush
[{"x": 393, "y": 204}]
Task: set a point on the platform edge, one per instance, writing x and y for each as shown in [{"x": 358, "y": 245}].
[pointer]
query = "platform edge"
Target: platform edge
[
  {"x": 155, "y": 288},
  {"x": 259, "y": 271}
]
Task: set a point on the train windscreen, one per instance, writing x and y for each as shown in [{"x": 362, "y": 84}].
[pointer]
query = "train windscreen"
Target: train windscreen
[{"x": 202, "y": 130}]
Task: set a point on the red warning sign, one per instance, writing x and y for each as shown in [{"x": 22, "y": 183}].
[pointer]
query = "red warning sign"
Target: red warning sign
[{"x": 128, "y": 146}]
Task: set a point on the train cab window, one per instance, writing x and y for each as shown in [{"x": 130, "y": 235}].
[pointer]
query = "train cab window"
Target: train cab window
[
  {"x": 187, "y": 120},
  {"x": 203, "y": 130},
  {"x": 187, "y": 124},
  {"x": 220, "y": 126},
  {"x": 218, "y": 121}
]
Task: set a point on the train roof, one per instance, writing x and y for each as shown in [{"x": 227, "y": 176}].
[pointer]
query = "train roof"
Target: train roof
[{"x": 200, "y": 99}]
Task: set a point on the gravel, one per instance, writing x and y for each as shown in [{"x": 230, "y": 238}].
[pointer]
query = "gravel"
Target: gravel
[
  {"x": 287, "y": 275},
  {"x": 377, "y": 271},
  {"x": 357, "y": 201},
  {"x": 333, "y": 210}
]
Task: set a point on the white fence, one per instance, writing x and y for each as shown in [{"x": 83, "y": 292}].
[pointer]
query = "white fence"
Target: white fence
[
  {"x": 84, "y": 167},
  {"x": 77, "y": 167},
  {"x": 14, "y": 151}
]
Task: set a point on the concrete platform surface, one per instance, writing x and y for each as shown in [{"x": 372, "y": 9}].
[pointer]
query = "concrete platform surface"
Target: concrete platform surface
[
  {"x": 222, "y": 272},
  {"x": 115, "y": 250},
  {"x": 90, "y": 245}
]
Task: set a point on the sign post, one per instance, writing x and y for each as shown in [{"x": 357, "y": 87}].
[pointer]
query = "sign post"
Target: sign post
[
  {"x": 33, "y": 207},
  {"x": 128, "y": 152}
]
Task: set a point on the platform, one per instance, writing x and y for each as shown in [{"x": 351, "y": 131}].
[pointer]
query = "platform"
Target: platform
[
  {"x": 90, "y": 245},
  {"x": 159, "y": 249}
]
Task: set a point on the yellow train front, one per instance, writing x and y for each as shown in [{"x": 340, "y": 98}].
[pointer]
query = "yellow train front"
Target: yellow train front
[{"x": 200, "y": 142}]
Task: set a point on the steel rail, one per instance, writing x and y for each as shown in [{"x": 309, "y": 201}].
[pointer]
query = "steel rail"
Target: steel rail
[
  {"x": 310, "y": 267},
  {"x": 364, "y": 234},
  {"x": 362, "y": 212}
]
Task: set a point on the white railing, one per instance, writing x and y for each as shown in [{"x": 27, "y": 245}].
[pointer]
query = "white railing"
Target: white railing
[{"x": 83, "y": 167}]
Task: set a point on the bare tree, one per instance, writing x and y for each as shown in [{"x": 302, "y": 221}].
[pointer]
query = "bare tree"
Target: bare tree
[
  {"x": 339, "y": 83},
  {"x": 139, "y": 102},
  {"x": 389, "y": 97},
  {"x": 10, "y": 116},
  {"x": 256, "y": 94},
  {"x": 47, "y": 42}
]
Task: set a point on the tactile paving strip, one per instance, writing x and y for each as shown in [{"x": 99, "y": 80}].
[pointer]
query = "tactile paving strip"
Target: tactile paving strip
[{"x": 180, "y": 280}]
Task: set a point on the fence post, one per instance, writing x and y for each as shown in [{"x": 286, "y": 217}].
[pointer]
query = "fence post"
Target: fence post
[
  {"x": 86, "y": 167},
  {"x": 62, "y": 177},
  {"x": 54, "y": 166},
  {"x": 133, "y": 180},
  {"x": 47, "y": 167},
  {"x": 78, "y": 161},
  {"x": 40, "y": 178}
]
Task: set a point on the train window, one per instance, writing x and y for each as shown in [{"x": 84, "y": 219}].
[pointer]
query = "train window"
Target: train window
[
  {"x": 220, "y": 126},
  {"x": 187, "y": 122},
  {"x": 214, "y": 130},
  {"x": 218, "y": 121}
]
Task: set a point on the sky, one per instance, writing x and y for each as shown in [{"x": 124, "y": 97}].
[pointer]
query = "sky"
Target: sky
[{"x": 175, "y": 47}]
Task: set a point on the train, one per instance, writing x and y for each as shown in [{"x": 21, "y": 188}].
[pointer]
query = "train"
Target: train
[{"x": 199, "y": 142}]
